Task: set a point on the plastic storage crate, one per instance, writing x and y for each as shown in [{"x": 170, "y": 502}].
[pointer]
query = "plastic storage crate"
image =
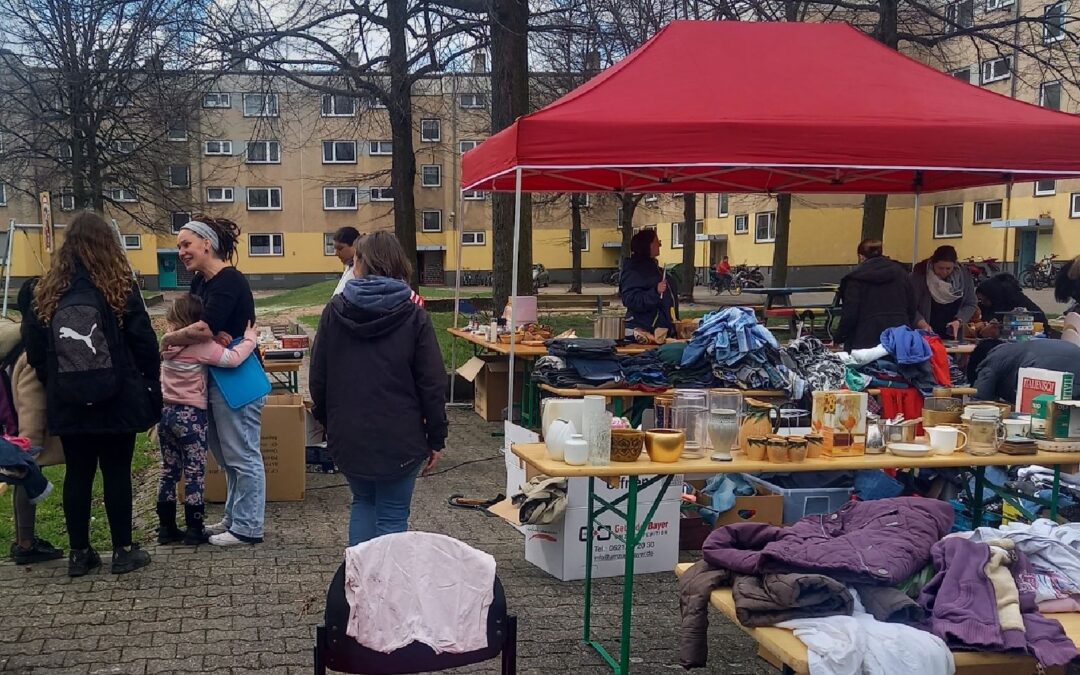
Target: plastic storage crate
[
  {"x": 801, "y": 502},
  {"x": 963, "y": 521}
]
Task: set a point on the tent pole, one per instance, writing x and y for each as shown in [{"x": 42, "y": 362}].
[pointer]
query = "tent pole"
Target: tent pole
[
  {"x": 7, "y": 265},
  {"x": 455, "y": 217},
  {"x": 1005, "y": 231},
  {"x": 514, "y": 290},
  {"x": 915, "y": 233}
]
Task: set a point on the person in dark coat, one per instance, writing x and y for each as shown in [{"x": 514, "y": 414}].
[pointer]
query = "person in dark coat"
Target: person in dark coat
[
  {"x": 876, "y": 295},
  {"x": 650, "y": 297},
  {"x": 999, "y": 294},
  {"x": 1067, "y": 285},
  {"x": 104, "y": 433},
  {"x": 944, "y": 294},
  {"x": 378, "y": 384},
  {"x": 995, "y": 371}
]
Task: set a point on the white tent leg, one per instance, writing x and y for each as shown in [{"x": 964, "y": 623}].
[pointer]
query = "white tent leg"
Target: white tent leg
[
  {"x": 7, "y": 266},
  {"x": 457, "y": 303},
  {"x": 915, "y": 234},
  {"x": 514, "y": 289}
]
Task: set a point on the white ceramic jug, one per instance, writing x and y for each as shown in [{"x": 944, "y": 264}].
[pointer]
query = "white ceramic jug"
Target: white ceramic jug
[{"x": 946, "y": 440}]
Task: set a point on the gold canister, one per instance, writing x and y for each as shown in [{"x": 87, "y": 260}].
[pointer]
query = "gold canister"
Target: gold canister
[
  {"x": 757, "y": 448},
  {"x": 778, "y": 450},
  {"x": 797, "y": 447},
  {"x": 815, "y": 445}
]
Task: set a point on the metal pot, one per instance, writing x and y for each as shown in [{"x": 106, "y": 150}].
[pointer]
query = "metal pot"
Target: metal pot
[{"x": 609, "y": 327}]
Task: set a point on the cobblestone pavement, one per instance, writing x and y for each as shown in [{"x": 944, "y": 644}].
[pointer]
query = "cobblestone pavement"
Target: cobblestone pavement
[{"x": 254, "y": 609}]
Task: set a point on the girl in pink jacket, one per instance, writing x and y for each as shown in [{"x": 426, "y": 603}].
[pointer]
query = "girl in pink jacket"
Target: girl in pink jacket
[{"x": 182, "y": 430}]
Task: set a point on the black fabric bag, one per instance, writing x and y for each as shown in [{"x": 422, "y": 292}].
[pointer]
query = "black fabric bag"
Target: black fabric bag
[{"x": 88, "y": 348}]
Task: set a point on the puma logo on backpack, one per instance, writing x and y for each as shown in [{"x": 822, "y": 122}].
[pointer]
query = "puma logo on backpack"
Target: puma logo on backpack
[
  {"x": 87, "y": 343},
  {"x": 66, "y": 332}
]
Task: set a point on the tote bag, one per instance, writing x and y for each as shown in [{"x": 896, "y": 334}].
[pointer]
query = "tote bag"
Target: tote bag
[{"x": 244, "y": 384}]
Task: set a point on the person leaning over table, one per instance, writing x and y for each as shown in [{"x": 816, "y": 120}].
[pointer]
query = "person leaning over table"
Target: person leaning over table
[
  {"x": 875, "y": 296},
  {"x": 999, "y": 294},
  {"x": 944, "y": 294},
  {"x": 650, "y": 298},
  {"x": 995, "y": 365}
]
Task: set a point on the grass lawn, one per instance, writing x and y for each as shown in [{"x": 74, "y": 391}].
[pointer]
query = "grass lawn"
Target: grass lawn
[{"x": 50, "y": 513}]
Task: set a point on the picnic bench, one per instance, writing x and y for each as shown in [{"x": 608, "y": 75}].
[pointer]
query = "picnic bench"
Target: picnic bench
[{"x": 778, "y": 305}]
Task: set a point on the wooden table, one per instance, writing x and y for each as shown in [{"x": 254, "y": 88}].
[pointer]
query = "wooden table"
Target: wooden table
[
  {"x": 284, "y": 373},
  {"x": 617, "y": 395},
  {"x": 536, "y": 456},
  {"x": 778, "y": 303},
  {"x": 780, "y": 647}
]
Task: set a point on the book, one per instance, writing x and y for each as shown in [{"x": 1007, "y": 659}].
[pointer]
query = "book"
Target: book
[{"x": 1032, "y": 382}]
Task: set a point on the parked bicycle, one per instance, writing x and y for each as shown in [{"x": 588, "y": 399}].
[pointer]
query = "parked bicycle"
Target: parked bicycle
[
  {"x": 745, "y": 276},
  {"x": 1041, "y": 274},
  {"x": 981, "y": 269}
]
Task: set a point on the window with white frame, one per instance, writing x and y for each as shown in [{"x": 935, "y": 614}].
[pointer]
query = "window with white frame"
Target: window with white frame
[
  {"x": 178, "y": 219},
  {"x": 266, "y": 245},
  {"x": 3, "y": 193},
  {"x": 133, "y": 242},
  {"x": 123, "y": 146},
  {"x": 988, "y": 211},
  {"x": 960, "y": 15},
  {"x": 1045, "y": 188},
  {"x": 338, "y": 106},
  {"x": 474, "y": 238},
  {"x": 472, "y": 100},
  {"x": 180, "y": 176},
  {"x": 948, "y": 221},
  {"x": 263, "y": 152},
  {"x": 1050, "y": 95},
  {"x": 431, "y": 221},
  {"x": 584, "y": 200},
  {"x": 339, "y": 152},
  {"x": 995, "y": 70},
  {"x": 1054, "y": 22},
  {"x": 217, "y": 148},
  {"x": 123, "y": 195},
  {"x": 220, "y": 194},
  {"x": 67, "y": 199},
  {"x": 377, "y": 148},
  {"x": 676, "y": 235},
  {"x": 431, "y": 175},
  {"x": 382, "y": 194},
  {"x": 328, "y": 244},
  {"x": 1074, "y": 205},
  {"x": 699, "y": 228},
  {"x": 430, "y": 131},
  {"x": 339, "y": 198},
  {"x": 998, "y": 4},
  {"x": 742, "y": 223},
  {"x": 264, "y": 199},
  {"x": 721, "y": 205},
  {"x": 177, "y": 130},
  {"x": 584, "y": 240},
  {"x": 652, "y": 198},
  {"x": 217, "y": 99},
  {"x": 65, "y": 151},
  {"x": 765, "y": 227},
  {"x": 465, "y": 146},
  {"x": 473, "y": 195},
  {"x": 374, "y": 102},
  {"x": 963, "y": 74},
  {"x": 260, "y": 105}
]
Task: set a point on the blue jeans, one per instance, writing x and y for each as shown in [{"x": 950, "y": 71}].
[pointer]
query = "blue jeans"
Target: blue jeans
[
  {"x": 234, "y": 443},
  {"x": 380, "y": 507}
]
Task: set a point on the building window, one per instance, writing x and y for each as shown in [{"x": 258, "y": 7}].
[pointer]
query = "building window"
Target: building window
[
  {"x": 220, "y": 194},
  {"x": 430, "y": 131},
  {"x": 266, "y": 244},
  {"x": 963, "y": 74},
  {"x": 948, "y": 221},
  {"x": 1074, "y": 205},
  {"x": 472, "y": 100},
  {"x": 374, "y": 102},
  {"x": 217, "y": 100},
  {"x": 995, "y": 70},
  {"x": 584, "y": 199},
  {"x": 217, "y": 148},
  {"x": 177, "y": 130},
  {"x": 133, "y": 242},
  {"x": 1045, "y": 188},
  {"x": 260, "y": 105},
  {"x": 742, "y": 224},
  {"x": 264, "y": 199},
  {"x": 478, "y": 238},
  {"x": 765, "y": 227},
  {"x": 382, "y": 194},
  {"x": 465, "y": 146},
  {"x": 676, "y": 235},
  {"x": 180, "y": 176},
  {"x": 431, "y": 175},
  {"x": 473, "y": 195},
  {"x": 263, "y": 152},
  {"x": 997, "y": 4},
  {"x": 124, "y": 146},
  {"x": 1054, "y": 22},
  {"x": 67, "y": 199},
  {"x": 652, "y": 198},
  {"x": 339, "y": 152},
  {"x": 179, "y": 219},
  {"x": 584, "y": 240},
  {"x": 339, "y": 198},
  {"x": 988, "y": 211},
  {"x": 328, "y": 244},
  {"x": 721, "y": 205},
  {"x": 960, "y": 15},
  {"x": 123, "y": 195},
  {"x": 3, "y": 194},
  {"x": 376, "y": 148},
  {"x": 431, "y": 221},
  {"x": 338, "y": 106},
  {"x": 1050, "y": 95}
]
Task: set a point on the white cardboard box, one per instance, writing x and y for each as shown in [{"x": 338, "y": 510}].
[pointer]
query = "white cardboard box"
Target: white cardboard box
[
  {"x": 577, "y": 491},
  {"x": 559, "y": 548}
]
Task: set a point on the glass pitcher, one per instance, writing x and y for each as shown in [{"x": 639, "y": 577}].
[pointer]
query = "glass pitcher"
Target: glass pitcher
[
  {"x": 985, "y": 433},
  {"x": 691, "y": 415}
]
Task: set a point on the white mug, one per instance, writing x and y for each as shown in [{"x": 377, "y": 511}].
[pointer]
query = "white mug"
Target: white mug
[
  {"x": 946, "y": 440},
  {"x": 1017, "y": 427}
]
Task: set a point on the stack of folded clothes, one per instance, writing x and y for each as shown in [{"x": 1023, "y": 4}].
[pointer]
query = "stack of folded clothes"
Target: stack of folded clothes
[
  {"x": 696, "y": 375},
  {"x": 553, "y": 371},
  {"x": 593, "y": 359},
  {"x": 644, "y": 371},
  {"x": 741, "y": 352}
]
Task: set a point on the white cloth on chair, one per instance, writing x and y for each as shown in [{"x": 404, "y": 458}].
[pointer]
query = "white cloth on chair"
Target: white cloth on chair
[{"x": 418, "y": 587}]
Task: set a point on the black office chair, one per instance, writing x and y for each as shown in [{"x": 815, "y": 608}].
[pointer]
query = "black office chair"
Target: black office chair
[{"x": 335, "y": 650}]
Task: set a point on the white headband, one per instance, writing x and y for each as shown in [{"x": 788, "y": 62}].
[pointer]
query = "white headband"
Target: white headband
[{"x": 204, "y": 231}]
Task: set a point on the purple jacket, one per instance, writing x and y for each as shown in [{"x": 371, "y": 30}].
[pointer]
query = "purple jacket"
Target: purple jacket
[{"x": 876, "y": 542}]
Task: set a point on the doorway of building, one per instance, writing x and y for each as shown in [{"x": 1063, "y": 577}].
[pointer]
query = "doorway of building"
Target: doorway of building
[
  {"x": 1025, "y": 249},
  {"x": 171, "y": 272},
  {"x": 432, "y": 267}
]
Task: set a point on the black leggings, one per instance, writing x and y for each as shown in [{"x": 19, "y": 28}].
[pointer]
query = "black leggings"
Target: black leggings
[{"x": 83, "y": 453}]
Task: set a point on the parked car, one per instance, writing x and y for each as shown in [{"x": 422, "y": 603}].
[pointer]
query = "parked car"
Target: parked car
[{"x": 541, "y": 277}]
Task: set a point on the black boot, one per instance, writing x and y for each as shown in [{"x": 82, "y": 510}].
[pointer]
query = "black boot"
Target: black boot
[
  {"x": 168, "y": 532},
  {"x": 193, "y": 518},
  {"x": 129, "y": 559},
  {"x": 83, "y": 561}
]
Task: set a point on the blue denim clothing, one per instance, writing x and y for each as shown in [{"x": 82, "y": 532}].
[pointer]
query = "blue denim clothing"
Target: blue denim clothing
[
  {"x": 234, "y": 442},
  {"x": 727, "y": 335},
  {"x": 380, "y": 507},
  {"x": 19, "y": 468}
]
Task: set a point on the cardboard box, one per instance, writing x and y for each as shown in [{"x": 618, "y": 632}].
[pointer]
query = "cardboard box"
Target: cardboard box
[
  {"x": 760, "y": 508},
  {"x": 559, "y": 548},
  {"x": 577, "y": 491},
  {"x": 282, "y": 444},
  {"x": 295, "y": 342},
  {"x": 1032, "y": 382},
  {"x": 840, "y": 417},
  {"x": 1040, "y": 413},
  {"x": 1064, "y": 420},
  {"x": 490, "y": 375}
]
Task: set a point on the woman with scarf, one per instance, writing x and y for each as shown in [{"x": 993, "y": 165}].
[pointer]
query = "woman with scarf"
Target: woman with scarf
[{"x": 944, "y": 294}]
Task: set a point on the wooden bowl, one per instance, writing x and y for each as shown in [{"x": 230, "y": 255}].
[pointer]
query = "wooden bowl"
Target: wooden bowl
[
  {"x": 626, "y": 445},
  {"x": 665, "y": 445}
]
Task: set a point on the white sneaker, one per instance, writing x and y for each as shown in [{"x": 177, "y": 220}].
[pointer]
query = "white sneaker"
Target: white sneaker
[
  {"x": 226, "y": 539},
  {"x": 216, "y": 528}
]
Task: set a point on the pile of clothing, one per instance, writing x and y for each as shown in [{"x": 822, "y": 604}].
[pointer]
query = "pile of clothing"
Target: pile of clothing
[
  {"x": 584, "y": 362},
  {"x": 819, "y": 368},
  {"x": 1053, "y": 552},
  {"x": 18, "y": 467},
  {"x": 644, "y": 371},
  {"x": 553, "y": 371},
  {"x": 874, "y": 587},
  {"x": 741, "y": 352},
  {"x": 695, "y": 375}
]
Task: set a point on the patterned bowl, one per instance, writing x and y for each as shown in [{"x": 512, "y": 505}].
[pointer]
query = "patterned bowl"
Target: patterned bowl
[{"x": 626, "y": 445}]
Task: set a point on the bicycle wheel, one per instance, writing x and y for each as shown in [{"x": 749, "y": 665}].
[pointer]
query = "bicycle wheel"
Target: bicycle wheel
[
  {"x": 735, "y": 288},
  {"x": 1027, "y": 279}
]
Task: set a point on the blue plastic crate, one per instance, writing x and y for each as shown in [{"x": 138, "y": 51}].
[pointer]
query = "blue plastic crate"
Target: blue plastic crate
[
  {"x": 802, "y": 502},
  {"x": 962, "y": 521}
]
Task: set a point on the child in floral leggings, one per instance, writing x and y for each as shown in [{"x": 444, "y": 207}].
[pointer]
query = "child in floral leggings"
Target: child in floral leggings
[{"x": 182, "y": 431}]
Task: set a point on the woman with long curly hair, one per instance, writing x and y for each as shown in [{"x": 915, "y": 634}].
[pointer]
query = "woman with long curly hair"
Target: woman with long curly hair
[
  {"x": 96, "y": 423},
  {"x": 207, "y": 247}
]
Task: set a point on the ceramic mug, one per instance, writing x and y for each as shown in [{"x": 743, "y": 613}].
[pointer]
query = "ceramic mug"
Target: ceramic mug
[
  {"x": 1017, "y": 428},
  {"x": 946, "y": 440}
]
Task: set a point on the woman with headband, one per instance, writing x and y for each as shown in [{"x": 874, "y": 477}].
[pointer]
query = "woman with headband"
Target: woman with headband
[{"x": 207, "y": 248}]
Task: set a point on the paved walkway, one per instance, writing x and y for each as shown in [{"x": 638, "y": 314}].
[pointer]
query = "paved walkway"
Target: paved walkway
[{"x": 253, "y": 610}]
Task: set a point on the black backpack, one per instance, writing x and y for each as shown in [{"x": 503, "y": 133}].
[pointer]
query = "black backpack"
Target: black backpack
[{"x": 88, "y": 348}]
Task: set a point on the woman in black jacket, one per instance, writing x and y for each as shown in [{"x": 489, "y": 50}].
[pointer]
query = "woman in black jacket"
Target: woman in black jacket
[
  {"x": 875, "y": 296},
  {"x": 650, "y": 297},
  {"x": 378, "y": 383},
  {"x": 115, "y": 355}
]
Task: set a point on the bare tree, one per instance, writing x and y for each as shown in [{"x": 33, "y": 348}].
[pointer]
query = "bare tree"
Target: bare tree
[
  {"x": 577, "y": 242},
  {"x": 689, "y": 246}
]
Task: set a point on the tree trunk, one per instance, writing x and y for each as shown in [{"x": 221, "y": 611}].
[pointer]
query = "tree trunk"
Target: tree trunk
[
  {"x": 509, "y": 22},
  {"x": 886, "y": 32},
  {"x": 575, "y": 243},
  {"x": 628, "y": 204},
  {"x": 403, "y": 160},
  {"x": 689, "y": 244},
  {"x": 780, "y": 247},
  {"x": 873, "y": 216}
]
